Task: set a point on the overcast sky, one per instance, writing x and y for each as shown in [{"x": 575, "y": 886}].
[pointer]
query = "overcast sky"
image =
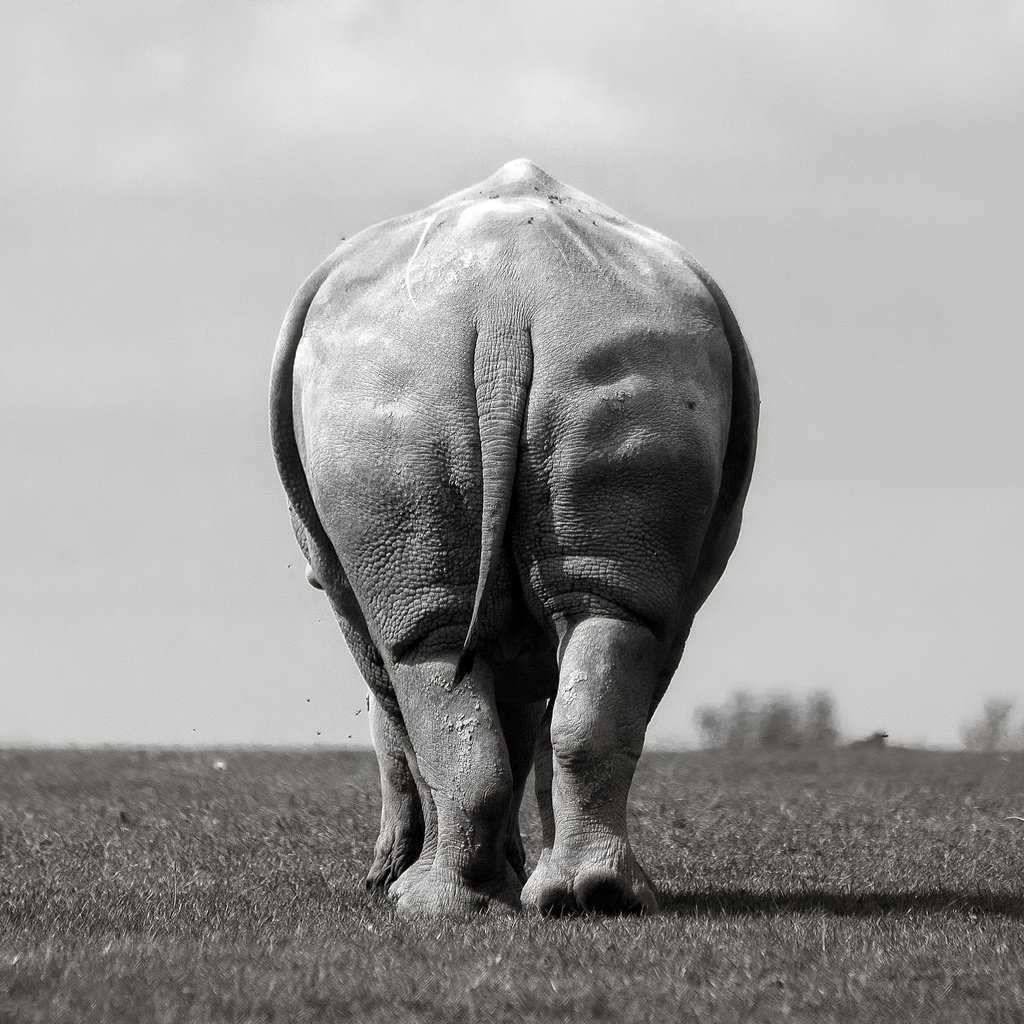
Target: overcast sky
[{"x": 850, "y": 173}]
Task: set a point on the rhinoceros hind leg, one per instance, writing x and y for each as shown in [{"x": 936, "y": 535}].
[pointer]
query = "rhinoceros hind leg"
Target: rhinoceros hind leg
[
  {"x": 401, "y": 837},
  {"x": 462, "y": 757},
  {"x": 607, "y": 680},
  {"x": 521, "y": 724},
  {"x": 542, "y": 781}
]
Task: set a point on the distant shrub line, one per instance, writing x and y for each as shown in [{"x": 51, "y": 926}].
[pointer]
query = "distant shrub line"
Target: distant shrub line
[
  {"x": 782, "y": 722},
  {"x": 778, "y": 722}
]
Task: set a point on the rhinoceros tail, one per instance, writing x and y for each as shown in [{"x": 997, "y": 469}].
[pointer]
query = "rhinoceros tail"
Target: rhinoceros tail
[
  {"x": 282, "y": 424},
  {"x": 502, "y": 373}
]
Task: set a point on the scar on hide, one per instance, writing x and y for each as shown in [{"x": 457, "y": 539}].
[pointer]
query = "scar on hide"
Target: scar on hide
[{"x": 412, "y": 259}]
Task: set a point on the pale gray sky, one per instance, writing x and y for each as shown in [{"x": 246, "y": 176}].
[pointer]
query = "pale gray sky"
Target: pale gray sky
[{"x": 851, "y": 173}]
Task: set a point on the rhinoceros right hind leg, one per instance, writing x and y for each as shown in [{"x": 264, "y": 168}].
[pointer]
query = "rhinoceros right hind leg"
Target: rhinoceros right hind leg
[{"x": 608, "y": 676}]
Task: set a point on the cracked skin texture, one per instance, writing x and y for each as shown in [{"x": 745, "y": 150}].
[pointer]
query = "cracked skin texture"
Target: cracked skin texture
[{"x": 516, "y": 431}]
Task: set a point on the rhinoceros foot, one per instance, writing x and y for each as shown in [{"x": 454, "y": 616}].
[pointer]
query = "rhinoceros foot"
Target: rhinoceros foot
[
  {"x": 442, "y": 892},
  {"x": 603, "y": 878},
  {"x": 395, "y": 851}
]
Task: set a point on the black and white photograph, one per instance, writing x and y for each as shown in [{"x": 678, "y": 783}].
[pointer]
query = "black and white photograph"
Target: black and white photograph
[{"x": 513, "y": 511}]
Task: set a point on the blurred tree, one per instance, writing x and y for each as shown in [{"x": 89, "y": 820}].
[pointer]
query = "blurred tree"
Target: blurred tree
[
  {"x": 779, "y": 723},
  {"x": 991, "y": 731},
  {"x": 743, "y": 723},
  {"x": 711, "y": 725},
  {"x": 819, "y": 724}
]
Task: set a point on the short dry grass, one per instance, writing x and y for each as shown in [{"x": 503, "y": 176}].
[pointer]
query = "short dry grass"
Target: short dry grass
[{"x": 843, "y": 885}]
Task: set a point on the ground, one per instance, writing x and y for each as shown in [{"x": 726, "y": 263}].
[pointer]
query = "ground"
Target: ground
[{"x": 847, "y": 885}]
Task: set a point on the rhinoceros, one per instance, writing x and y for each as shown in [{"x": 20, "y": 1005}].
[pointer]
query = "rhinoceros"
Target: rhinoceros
[{"x": 516, "y": 432}]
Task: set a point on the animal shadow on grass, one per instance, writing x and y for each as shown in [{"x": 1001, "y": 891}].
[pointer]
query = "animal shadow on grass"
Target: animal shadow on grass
[{"x": 740, "y": 902}]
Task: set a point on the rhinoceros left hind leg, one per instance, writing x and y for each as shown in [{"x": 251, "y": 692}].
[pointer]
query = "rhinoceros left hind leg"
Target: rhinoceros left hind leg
[
  {"x": 520, "y": 724},
  {"x": 461, "y": 754},
  {"x": 401, "y": 837}
]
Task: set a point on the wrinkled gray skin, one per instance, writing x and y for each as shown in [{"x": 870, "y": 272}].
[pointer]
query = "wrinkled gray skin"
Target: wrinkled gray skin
[{"x": 516, "y": 432}]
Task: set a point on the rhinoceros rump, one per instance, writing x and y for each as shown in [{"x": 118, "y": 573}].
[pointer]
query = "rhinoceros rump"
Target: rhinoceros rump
[{"x": 516, "y": 432}]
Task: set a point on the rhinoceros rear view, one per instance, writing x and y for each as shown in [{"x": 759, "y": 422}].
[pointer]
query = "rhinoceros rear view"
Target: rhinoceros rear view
[{"x": 516, "y": 432}]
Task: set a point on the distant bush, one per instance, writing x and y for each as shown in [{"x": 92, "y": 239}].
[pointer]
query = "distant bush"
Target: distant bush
[
  {"x": 991, "y": 731},
  {"x": 875, "y": 741},
  {"x": 778, "y": 722}
]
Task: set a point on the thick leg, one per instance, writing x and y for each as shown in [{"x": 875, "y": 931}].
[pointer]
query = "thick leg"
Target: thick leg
[
  {"x": 607, "y": 682},
  {"x": 463, "y": 760},
  {"x": 406, "y": 817},
  {"x": 542, "y": 780},
  {"x": 520, "y": 725},
  {"x": 422, "y": 864},
  {"x": 401, "y": 819}
]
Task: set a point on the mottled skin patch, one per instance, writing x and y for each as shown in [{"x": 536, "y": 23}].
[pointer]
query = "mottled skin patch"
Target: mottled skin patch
[{"x": 516, "y": 432}]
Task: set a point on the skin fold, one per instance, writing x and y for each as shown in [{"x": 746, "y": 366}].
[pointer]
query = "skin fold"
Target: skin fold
[{"x": 516, "y": 431}]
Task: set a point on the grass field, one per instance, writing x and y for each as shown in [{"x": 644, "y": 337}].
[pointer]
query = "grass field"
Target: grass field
[{"x": 848, "y": 885}]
